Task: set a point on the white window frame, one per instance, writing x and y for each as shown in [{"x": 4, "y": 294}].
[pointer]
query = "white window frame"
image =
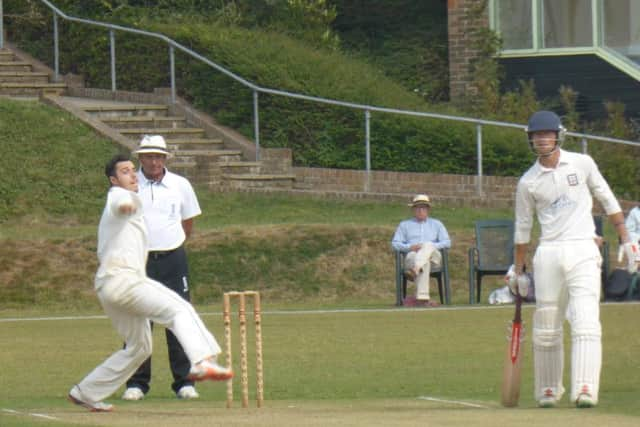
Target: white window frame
[{"x": 597, "y": 48}]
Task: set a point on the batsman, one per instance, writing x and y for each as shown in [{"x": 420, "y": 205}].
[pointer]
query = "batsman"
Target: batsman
[{"x": 559, "y": 189}]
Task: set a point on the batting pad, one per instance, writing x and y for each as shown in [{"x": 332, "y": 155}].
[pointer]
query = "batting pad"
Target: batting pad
[
  {"x": 548, "y": 352},
  {"x": 586, "y": 360},
  {"x": 586, "y": 346}
]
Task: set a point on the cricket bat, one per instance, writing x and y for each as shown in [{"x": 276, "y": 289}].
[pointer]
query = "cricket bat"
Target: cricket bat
[{"x": 513, "y": 359}]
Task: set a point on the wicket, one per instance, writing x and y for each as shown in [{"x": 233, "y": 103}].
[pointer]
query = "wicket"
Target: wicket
[{"x": 242, "y": 319}]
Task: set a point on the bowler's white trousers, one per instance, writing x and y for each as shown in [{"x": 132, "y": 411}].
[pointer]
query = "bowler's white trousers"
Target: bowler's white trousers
[
  {"x": 423, "y": 260},
  {"x": 567, "y": 278},
  {"x": 131, "y": 301}
]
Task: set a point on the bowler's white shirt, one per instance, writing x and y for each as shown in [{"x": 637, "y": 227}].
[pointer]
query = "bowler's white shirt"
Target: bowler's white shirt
[
  {"x": 562, "y": 199},
  {"x": 166, "y": 204},
  {"x": 122, "y": 238}
]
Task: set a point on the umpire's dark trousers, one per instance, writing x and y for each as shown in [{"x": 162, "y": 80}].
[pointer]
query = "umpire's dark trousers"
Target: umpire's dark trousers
[{"x": 169, "y": 268}]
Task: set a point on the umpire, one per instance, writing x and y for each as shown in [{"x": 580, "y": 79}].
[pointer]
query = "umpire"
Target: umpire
[{"x": 169, "y": 206}]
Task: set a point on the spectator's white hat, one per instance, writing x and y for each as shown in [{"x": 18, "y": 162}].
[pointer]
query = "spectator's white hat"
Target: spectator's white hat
[
  {"x": 153, "y": 144},
  {"x": 420, "y": 200}
]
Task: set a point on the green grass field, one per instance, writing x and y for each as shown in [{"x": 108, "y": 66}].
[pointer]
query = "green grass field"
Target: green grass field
[
  {"x": 376, "y": 367},
  {"x": 344, "y": 366}
]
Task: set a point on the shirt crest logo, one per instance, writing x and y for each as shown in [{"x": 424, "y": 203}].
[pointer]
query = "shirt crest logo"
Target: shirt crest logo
[{"x": 572, "y": 179}]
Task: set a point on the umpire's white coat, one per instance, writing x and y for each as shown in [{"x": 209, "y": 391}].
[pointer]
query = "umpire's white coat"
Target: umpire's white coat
[{"x": 131, "y": 300}]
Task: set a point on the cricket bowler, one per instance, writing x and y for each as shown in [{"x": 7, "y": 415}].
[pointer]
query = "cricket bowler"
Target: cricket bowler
[{"x": 131, "y": 299}]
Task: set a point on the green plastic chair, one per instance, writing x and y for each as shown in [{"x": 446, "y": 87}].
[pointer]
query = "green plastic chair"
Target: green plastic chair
[
  {"x": 492, "y": 254},
  {"x": 440, "y": 274}
]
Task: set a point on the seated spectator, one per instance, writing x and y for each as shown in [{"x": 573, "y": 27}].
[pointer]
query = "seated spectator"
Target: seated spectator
[
  {"x": 421, "y": 238},
  {"x": 633, "y": 224}
]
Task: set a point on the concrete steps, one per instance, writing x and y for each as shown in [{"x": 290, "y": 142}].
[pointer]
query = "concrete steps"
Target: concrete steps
[
  {"x": 201, "y": 159},
  {"x": 15, "y": 66},
  {"x": 168, "y": 133},
  {"x": 125, "y": 110},
  {"x": 31, "y": 89},
  {"x": 17, "y": 78},
  {"x": 241, "y": 168},
  {"x": 186, "y": 144},
  {"x": 216, "y": 157},
  {"x": 23, "y": 76},
  {"x": 6, "y": 55},
  {"x": 145, "y": 121},
  {"x": 196, "y": 155}
]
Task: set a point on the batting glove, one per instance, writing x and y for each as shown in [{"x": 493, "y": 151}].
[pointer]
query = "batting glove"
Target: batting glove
[
  {"x": 518, "y": 283},
  {"x": 629, "y": 251}
]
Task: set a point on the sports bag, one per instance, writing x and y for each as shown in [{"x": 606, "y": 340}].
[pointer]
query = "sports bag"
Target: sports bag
[{"x": 622, "y": 286}]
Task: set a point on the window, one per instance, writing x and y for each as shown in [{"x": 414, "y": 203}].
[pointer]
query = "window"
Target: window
[
  {"x": 567, "y": 23},
  {"x": 613, "y": 26},
  {"x": 514, "y": 24},
  {"x": 621, "y": 27}
]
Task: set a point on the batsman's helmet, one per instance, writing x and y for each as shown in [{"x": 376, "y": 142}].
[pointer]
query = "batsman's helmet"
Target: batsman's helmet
[{"x": 546, "y": 121}]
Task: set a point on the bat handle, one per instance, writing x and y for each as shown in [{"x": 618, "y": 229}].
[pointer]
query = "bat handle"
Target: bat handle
[{"x": 517, "y": 318}]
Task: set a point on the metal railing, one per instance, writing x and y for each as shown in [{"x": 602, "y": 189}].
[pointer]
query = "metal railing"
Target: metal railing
[{"x": 256, "y": 90}]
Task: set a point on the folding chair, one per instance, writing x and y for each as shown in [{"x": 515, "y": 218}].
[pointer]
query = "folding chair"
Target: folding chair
[
  {"x": 441, "y": 274},
  {"x": 492, "y": 254}
]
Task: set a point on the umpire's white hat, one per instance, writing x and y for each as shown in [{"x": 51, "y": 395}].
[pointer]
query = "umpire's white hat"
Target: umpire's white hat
[{"x": 153, "y": 144}]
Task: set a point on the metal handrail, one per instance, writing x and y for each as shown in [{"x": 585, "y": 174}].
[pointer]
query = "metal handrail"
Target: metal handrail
[{"x": 258, "y": 89}]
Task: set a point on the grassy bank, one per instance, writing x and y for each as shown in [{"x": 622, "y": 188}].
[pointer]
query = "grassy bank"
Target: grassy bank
[
  {"x": 299, "y": 251},
  {"x": 53, "y": 168}
]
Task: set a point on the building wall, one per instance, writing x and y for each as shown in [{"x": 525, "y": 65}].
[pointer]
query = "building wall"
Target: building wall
[
  {"x": 595, "y": 80},
  {"x": 463, "y": 20},
  {"x": 454, "y": 190}
]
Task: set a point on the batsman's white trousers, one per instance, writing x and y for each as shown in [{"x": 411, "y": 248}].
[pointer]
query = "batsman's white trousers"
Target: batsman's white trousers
[
  {"x": 567, "y": 278},
  {"x": 131, "y": 302},
  {"x": 423, "y": 260}
]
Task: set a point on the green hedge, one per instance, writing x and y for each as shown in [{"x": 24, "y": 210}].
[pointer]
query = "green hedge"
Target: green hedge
[{"x": 320, "y": 135}]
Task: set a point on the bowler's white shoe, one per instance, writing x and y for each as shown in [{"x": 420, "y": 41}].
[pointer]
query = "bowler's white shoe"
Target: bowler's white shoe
[
  {"x": 75, "y": 396},
  {"x": 133, "y": 393},
  {"x": 187, "y": 392},
  {"x": 209, "y": 370}
]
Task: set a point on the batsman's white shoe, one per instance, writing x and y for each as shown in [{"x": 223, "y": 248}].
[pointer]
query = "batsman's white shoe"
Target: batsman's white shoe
[
  {"x": 549, "y": 399},
  {"x": 585, "y": 400},
  {"x": 187, "y": 392},
  {"x": 133, "y": 393},
  {"x": 547, "y": 402},
  {"x": 209, "y": 370},
  {"x": 75, "y": 397}
]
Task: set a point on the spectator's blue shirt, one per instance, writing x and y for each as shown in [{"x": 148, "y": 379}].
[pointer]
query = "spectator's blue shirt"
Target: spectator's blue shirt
[{"x": 412, "y": 231}]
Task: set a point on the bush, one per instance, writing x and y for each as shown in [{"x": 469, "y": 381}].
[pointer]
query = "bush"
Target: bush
[{"x": 320, "y": 135}]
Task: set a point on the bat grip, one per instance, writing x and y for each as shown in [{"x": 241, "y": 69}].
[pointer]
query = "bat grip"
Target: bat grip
[{"x": 517, "y": 318}]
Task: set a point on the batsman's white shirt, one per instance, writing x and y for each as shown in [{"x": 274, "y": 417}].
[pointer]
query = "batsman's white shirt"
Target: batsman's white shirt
[
  {"x": 562, "y": 199},
  {"x": 166, "y": 204}
]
